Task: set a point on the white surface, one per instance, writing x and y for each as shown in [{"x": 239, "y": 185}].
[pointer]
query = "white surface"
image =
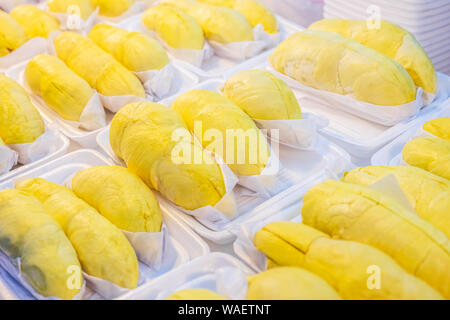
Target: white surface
[{"x": 186, "y": 244}]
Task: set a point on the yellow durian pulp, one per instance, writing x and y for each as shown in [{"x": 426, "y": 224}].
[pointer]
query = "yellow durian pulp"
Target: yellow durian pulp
[
  {"x": 12, "y": 35},
  {"x": 113, "y": 8},
  {"x": 438, "y": 127},
  {"x": 35, "y": 21},
  {"x": 84, "y": 7}
]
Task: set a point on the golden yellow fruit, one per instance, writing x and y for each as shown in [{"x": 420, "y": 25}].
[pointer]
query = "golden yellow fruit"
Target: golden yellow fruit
[
  {"x": 84, "y": 7},
  {"x": 438, "y": 127},
  {"x": 35, "y": 21},
  {"x": 113, "y": 8},
  {"x": 12, "y": 35},
  {"x": 196, "y": 294}
]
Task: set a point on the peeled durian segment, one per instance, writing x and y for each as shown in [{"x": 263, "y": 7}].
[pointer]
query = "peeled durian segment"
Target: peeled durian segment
[
  {"x": 12, "y": 35},
  {"x": 428, "y": 194},
  {"x": 429, "y": 153},
  {"x": 196, "y": 294},
  {"x": 331, "y": 62},
  {"x": 438, "y": 127},
  {"x": 178, "y": 29},
  {"x": 248, "y": 154},
  {"x": 20, "y": 122},
  {"x": 262, "y": 96},
  {"x": 35, "y": 21},
  {"x": 103, "y": 249},
  {"x": 48, "y": 260},
  {"x": 134, "y": 50},
  {"x": 120, "y": 196},
  {"x": 390, "y": 40},
  {"x": 144, "y": 135},
  {"x": 61, "y": 88},
  {"x": 289, "y": 283},
  {"x": 351, "y": 212},
  {"x": 97, "y": 67},
  {"x": 220, "y": 24},
  {"x": 84, "y": 7},
  {"x": 114, "y": 8},
  {"x": 345, "y": 265}
]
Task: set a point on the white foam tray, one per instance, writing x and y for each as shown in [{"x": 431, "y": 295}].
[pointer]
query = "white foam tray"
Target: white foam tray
[
  {"x": 199, "y": 273},
  {"x": 184, "y": 80},
  {"x": 302, "y": 167},
  {"x": 390, "y": 155},
  {"x": 186, "y": 243}
]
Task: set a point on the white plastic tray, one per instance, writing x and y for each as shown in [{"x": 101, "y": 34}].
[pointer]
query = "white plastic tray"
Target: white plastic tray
[
  {"x": 184, "y": 80},
  {"x": 186, "y": 243},
  {"x": 201, "y": 269}
]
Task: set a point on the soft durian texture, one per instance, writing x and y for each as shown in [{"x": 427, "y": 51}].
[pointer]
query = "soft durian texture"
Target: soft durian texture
[
  {"x": 289, "y": 283},
  {"x": 134, "y": 50},
  {"x": 12, "y": 35},
  {"x": 48, "y": 260},
  {"x": 20, "y": 122},
  {"x": 196, "y": 294},
  {"x": 343, "y": 264},
  {"x": 438, "y": 127},
  {"x": 262, "y": 96},
  {"x": 220, "y": 24},
  {"x": 85, "y": 7},
  {"x": 61, "y": 88},
  {"x": 351, "y": 212},
  {"x": 328, "y": 61},
  {"x": 103, "y": 249},
  {"x": 35, "y": 21},
  {"x": 120, "y": 196},
  {"x": 427, "y": 193},
  {"x": 178, "y": 29},
  {"x": 390, "y": 40},
  {"x": 143, "y": 133},
  {"x": 246, "y": 156},
  {"x": 113, "y": 8},
  {"x": 97, "y": 67},
  {"x": 429, "y": 153}
]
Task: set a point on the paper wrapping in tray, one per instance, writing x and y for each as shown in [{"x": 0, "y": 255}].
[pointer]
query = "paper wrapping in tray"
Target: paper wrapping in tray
[
  {"x": 158, "y": 83},
  {"x": 230, "y": 282},
  {"x": 13, "y": 267},
  {"x": 115, "y": 103},
  {"x": 73, "y": 22},
  {"x": 384, "y": 115},
  {"x": 8, "y": 159},
  {"x": 27, "y": 51}
]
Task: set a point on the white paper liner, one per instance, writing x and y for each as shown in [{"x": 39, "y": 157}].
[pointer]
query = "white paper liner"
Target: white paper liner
[
  {"x": 136, "y": 8},
  {"x": 8, "y": 159},
  {"x": 115, "y": 103},
  {"x": 298, "y": 133},
  {"x": 384, "y": 115},
  {"x": 43, "y": 146},
  {"x": 27, "y": 51},
  {"x": 227, "y": 281},
  {"x": 73, "y": 22},
  {"x": 13, "y": 267},
  {"x": 158, "y": 83}
]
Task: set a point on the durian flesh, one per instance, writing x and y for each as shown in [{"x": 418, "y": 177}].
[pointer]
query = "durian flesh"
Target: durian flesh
[
  {"x": 351, "y": 212},
  {"x": 114, "y": 8},
  {"x": 20, "y": 122},
  {"x": 392, "y": 41},
  {"x": 61, "y": 88},
  {"x": 196, "y": 294},
  {"x": 262, "y": 96},
  {"x": 429, "y": 153},
  {"x": 438, "y": 127},
  {"x": 289, "y": 283},
  {"x": 103, "y": 249},
  {"x": 134, "y": 50},
  {"x": 218, "y": 116},
  {"x": 328, "y": 61},
  {"x": 35, "y": 21},
  {"x": 178, "y": 29},
  {"x": 12, "y": 35},
  {"x": 48, "y": 260},
  {"x": 345, "y": 265},
  {"x": 84, "y": 7},
  {"x": 97, "y": 67},
  {"x": 144, "y": 135},
  {"x": 120, "y": 196},
  {"x": 428, "y": 194}
]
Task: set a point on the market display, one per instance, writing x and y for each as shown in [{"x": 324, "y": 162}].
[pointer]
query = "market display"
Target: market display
[
  {"x": 35, "y": 22},
  {"x": 12, "y": 35}
]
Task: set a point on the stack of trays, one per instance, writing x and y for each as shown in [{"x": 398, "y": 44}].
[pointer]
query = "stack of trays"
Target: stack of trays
[{"x": 428, "y": 20}]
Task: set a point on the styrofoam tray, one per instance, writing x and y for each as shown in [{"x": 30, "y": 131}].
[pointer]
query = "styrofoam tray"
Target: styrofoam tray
[
  {"x": 199, "y": 273},
  {"x": 186, "y": 243},
  {"x": 183, "y": 81},
  {"x": 390, "y": 155}
]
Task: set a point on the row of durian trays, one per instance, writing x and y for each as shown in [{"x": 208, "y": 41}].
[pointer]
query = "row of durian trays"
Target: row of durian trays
[{"x": 243, "y": 201}]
